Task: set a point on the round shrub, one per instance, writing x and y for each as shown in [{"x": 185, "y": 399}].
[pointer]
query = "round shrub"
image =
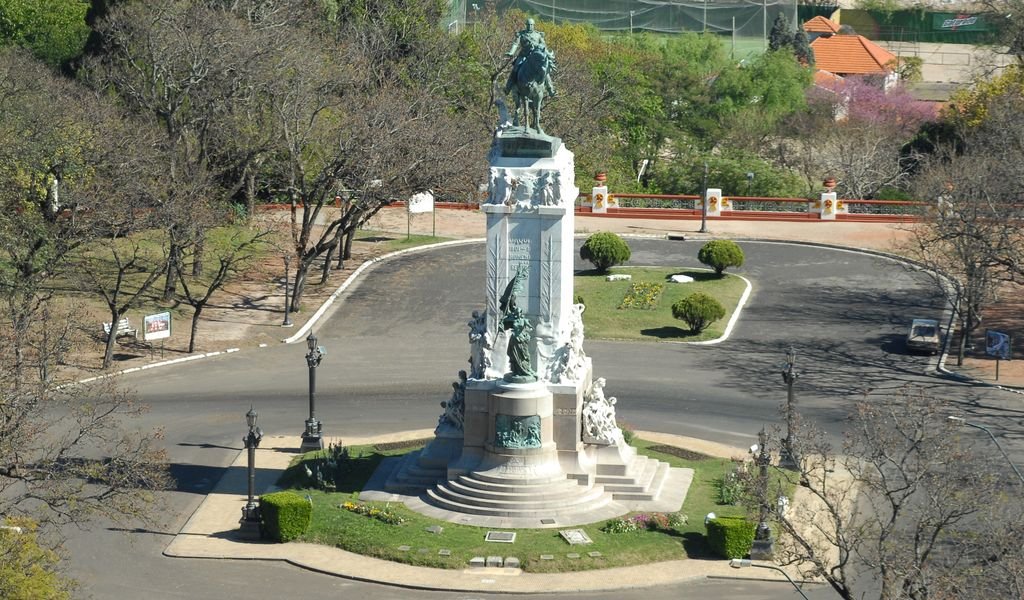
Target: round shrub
[
  {"x": 719, "y": 254},
  {"x": 605, "y": 250},
  {"x": 698, "y": 311}
]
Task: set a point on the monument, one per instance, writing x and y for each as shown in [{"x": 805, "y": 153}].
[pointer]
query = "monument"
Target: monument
[{"x": 528, "y": 438}]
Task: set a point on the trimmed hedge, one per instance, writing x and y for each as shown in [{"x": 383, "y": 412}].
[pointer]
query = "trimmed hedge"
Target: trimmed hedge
[
  {"x": 720, "y": 254},
  {"x": 285, "y": 515},
  {"x": 730, "y": 537},
  {"x": 605, "y": 250}
]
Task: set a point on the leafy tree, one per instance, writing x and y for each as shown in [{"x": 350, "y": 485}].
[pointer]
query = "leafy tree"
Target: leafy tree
[
  {"x": 802, "y": 48},
  {"x": 728, "y": 170},
  {"x": 605, "y": 250},
  {"x": 29, "y": 570},
  {"x": 721, "y": 254},
  {"x": 781, "y": 35},
  {"x": 54, "y": 31},
  {"x": 698, "y": 310}
]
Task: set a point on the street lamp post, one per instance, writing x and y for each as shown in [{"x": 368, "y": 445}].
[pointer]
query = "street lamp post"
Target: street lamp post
[
  {"x": 311, "y": 438},
  {"x": 631, "y": 13},
  {"x": 287, "y": 301},
  {"x": 763, "y": 547},
  {"x": 790, "y": 460},
  {"x": 963, "y": 421},
  {"x": 738, "y": 563},
  {"x": 251, "y": 511},
  {"x": 704, "y": 202}
]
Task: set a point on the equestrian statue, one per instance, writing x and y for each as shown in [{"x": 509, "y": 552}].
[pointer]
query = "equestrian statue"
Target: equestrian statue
[{"x": 530, "y": 78}]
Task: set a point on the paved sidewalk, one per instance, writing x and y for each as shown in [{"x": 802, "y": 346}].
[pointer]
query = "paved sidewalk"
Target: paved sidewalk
[{"x": 212, "y": 532}]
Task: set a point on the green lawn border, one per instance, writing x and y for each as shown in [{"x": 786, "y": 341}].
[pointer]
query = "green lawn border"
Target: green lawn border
[
  {"x": 713, "y": 335},
  {"x": 364, "y": 535}
]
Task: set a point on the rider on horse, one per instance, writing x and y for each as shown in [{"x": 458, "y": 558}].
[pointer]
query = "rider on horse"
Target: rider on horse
[{"x": 527, "y": 41}]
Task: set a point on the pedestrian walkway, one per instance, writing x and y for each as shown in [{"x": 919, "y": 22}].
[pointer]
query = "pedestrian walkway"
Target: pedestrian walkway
[{"x": 213, "y": 532}]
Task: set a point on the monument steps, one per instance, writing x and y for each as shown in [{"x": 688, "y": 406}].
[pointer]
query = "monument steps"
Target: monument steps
[
  {"x": 486, "y": 477},
  {"x": 441, "y": 497},
  {"x": 567, "y": 490},
  {"x": 647, "y": 487}
]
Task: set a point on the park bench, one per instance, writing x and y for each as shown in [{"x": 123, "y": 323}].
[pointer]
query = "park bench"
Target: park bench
[{"x": 124, "y": 329}]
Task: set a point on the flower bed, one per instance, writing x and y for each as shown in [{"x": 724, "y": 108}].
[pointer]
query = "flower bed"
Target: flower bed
[
  {"x": 642, "y": 295},
  {"x": 385, "y": 515}
]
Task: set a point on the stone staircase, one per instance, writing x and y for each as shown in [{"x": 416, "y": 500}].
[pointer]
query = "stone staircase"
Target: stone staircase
[
  {"x": 410, "y": 477},
  {"x": 640, "y": 480},
  {"x": 480, "y": 493}
]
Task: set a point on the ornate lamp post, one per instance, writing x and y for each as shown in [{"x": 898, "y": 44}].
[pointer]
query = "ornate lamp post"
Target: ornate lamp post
[
  {"x": 251, "y": 511},
  {"x": 287, "y": 301},
  {"x": 311, "y": 439},
  {"x": 763, "y": 544},
  {"x": 790, "y": 460}
]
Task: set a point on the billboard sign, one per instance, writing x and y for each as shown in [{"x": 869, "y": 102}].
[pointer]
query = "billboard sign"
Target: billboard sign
[
  {"x": 156, "y": 327},
  {"x": 997, "y": 344}
]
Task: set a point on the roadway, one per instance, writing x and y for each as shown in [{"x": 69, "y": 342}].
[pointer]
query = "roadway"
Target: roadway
[{"x": 397, "y": 340}]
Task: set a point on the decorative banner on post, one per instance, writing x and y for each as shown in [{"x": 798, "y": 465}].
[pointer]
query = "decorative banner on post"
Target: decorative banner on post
[
  {"x": 422, "y": 202},
  {"x": 997, "y": 344},
  {"x": 714, "y": 200},
  {"x": 599, "y": 199},
  {"x": 156, "y": 327},
  {"x": 828, "y": 206}
]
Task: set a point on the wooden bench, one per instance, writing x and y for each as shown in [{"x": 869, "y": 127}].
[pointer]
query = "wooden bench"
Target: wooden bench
[{"x": 124, "y": 329}]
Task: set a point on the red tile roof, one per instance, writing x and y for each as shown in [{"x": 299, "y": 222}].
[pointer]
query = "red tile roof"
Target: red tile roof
[
  {"x": 850, "y": 55},
  {"x": 827, "y": 80},
  {"x": 820, "y": 24}
]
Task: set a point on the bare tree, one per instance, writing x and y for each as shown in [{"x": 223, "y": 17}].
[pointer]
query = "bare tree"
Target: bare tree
[
  {"x": 231, "y": 255},
  {"x": 899, "y": 511},
  {"x": 66, "y": 454}
]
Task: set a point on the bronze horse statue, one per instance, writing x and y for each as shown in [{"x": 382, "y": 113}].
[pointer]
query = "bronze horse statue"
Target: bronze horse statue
[{"x": 527, "y": 87}]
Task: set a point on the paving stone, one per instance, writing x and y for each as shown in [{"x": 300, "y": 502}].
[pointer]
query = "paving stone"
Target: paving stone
[
  {"x": 444, "y": 552},
  {"x": 435, "y": 529},
  {"x": 575, "y": 536},
  {"x": 423, "y": 550},
  {"x": 494, "y": 561},
  {"x": 572, "y": 555},
  {"x": 511, "y": 562},
  {"x": 478, "y": 561},
  {"x": 404, "y": 548},
  {"x": 594, "y": 554},
  {"x": 547, "y": 521},
  {"x": 505, "y": 537},
  {"x": 547, "y": 557}
]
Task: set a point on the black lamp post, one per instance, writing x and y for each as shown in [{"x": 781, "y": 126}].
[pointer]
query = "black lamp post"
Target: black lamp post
[
  {"x": 763, "y": 545},
  {"x": 311, "y": 439},
  {"x": 251, "y": 511},
  {"x": 790, "y": 460},
  {"x": 287, "y": 301},
  {"x": 704, "y": 202}
]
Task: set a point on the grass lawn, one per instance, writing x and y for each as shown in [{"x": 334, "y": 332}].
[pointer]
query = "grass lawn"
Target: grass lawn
[
  {"x": 604, "y": 319},
  {"x": 334, "y": 526}
]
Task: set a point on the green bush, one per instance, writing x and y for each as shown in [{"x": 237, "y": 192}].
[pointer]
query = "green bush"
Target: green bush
[
  {"x": 578, "y": 299},
  {"x": 698, "y": 311},
  {"x": 285, "y": 515},
  {"x": 730, "y": 537},
  {"x": 605, "y": 250},
  {"x": 719, "y": 254}
]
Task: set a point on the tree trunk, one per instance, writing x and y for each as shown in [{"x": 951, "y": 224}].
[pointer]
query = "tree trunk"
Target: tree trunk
[
  {"x": 171, "y": 280},
  {"x": 963, "y": 343},
  {"x": 108, "y": 352},
  {"x": 194, "y": 329},
  {"x": 250, "y": 195},
  {"x": 197, "y": 256},
  {"x": 325, "y": 271},
  {"x": 301, "y": 272},
  {"x": 349, "y": 236}
]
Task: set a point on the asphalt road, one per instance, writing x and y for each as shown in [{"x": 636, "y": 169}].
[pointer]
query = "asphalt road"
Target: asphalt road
[{"x": 397, "y": 341}]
